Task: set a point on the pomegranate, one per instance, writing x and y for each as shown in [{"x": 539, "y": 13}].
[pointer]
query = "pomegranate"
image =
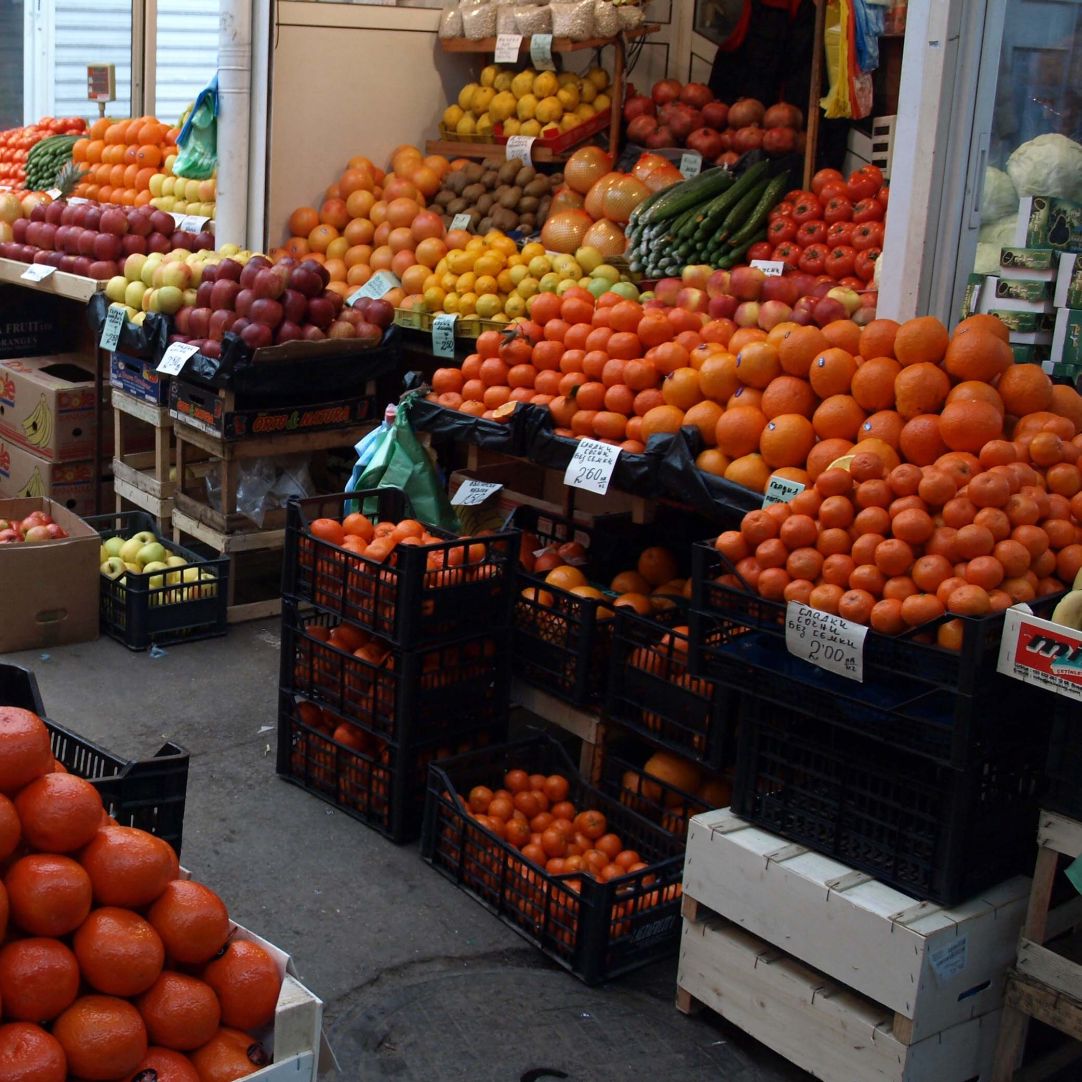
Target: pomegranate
[
  {"x": 660, "y": 137},
  {"x": 681, "y": 119},
  {"x": 746, "y": 111},
  {"x": 639, "y": 129},
  {"x": 716, "y": 115},
  {"x": 696, "y": 95},
  {"x": 706, "y": 141},
  {"x": 748, "y": 138},
  {"x": 639, "y": 105},
  {"x": 665, "y": 91},
  {"x": 783, "y": 115},
  {"x": 779, "y": 141}
]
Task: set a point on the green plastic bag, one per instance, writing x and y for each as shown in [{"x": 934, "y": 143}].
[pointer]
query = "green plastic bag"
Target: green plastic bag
[
  {"x": 399, "y": 461},
  {"x": 198, "y": 139}
]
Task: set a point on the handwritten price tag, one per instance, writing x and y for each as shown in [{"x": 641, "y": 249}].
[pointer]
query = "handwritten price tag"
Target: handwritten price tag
[
  {"x": 380, "y": 283},
  {"x": 174, "y": 357},
  {"x": 507, "y": 47},
  {"x": 470, "y": 493},
  {"x": 37, "y": 272},
  {"x": 443, "y": 334},
  {"x": 110, "y": 332},
  {"x": 825, "y": 640},
  {"x": 781, "y": 490},
  {"x": 190, "y": 223},
  {"x": 53, "y": 193},
  {"x": 520, "y": 148},
  {"x": 461, "y": 221},
  {"x": 691, "y": 164},
  {"x": 772, "y": 268},
  {"x": 591, "y": 466},
  {"x": 541, "y": 52}
]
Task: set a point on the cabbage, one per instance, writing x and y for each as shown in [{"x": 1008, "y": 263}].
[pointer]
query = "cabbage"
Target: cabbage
[
  {"x": 987, "y": 259},
  {"x": 1048, "y": 165},
  {"x": 998, "y": 199},
  {"x": 1000, "y": 231}
]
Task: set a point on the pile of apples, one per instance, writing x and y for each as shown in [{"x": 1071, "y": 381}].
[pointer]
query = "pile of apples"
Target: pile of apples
[
  {"x": 36, "y": 527},
  {"x": 687, "y": 115},
  {"x": 268, "y": 304},
  {"x": 144, "y": 554},
  {"x": 93, "y": 240}
]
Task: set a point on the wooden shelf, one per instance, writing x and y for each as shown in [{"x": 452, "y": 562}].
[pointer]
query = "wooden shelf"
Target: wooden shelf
[
  {"x": 450, "y": 148},
  {"x": 60, "y": 284},
  {"x": 577, "y": 720},
  {"x": 559, "y": 45}
]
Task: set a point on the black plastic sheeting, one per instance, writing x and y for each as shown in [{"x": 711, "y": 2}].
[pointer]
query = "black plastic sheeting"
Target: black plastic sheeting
[
  {"x": 444, "y": 423},
  {"x": 681, "y": 480},
  {"x": 147, "y": 340}
]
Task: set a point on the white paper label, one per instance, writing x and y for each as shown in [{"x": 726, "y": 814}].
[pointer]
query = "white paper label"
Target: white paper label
[
  {"x": 541, "y": 52},
  {"x": 190, "y": 223},
  {"x": 461, "y": 221},
  {"x": 443, "y": 334},
  {"x": 75, "y": 200},
  {"x": 380, "y": 283},
  {"x": 114, "y": 324},
  {"x": 825, "y": 640},
  {"x": 54, "y": 193},
  {"x": 37, "y": 272},
  {"x": 781, "y": 490},
  {"x": 772, "y": 268},
  {"x": 174, "y": 357},
  {"x": 470, "y": 493},
  {"x": 591, "y": 466},
  {"x": 507, "y": 47},
  {"x": 691, "y": 164},
  {"x": 950, "y": 960},
  {"x": 519, "y": 148},
  {"x": 1040, "y": 652}
]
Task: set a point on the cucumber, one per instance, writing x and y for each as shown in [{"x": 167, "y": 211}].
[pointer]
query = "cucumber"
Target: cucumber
[
  {"x": 758, "y": 215},
  {"x": 682, "y": 197},
  {"x": 735, "y": 255}
]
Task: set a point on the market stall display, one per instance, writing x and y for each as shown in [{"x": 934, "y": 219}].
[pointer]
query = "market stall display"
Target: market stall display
[{"x": 24, "y": 164}]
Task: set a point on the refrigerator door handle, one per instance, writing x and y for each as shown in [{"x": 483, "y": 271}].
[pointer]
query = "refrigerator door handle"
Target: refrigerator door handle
[{"x": 983, "y": 141}]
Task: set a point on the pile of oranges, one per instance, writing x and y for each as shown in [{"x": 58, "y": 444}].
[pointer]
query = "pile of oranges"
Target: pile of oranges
[
  {"x": 111, "y": 963},
  {"x": 119, "y": 158},
  {"x": 371, "y": 220}
]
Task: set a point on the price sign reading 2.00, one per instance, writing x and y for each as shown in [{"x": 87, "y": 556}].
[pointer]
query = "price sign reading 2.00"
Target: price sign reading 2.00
[
  {"x": 825, "y": 640},
  {"x": 591, "y": 466}
]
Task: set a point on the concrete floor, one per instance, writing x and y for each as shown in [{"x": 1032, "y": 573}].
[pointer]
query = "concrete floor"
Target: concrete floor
[{"x": 418, "y": 980}]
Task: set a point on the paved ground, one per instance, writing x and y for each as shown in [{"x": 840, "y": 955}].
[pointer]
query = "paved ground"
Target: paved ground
[{"x": 418, "y": 980}]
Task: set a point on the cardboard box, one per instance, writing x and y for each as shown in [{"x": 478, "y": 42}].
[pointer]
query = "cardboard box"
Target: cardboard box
[
  {"x": 50, "y": 589},
  {"x": 1049, "y": 222},
  {"x": 47, "y": 405},
  {"x": 139, "y": 379},
  {"x": 1022, "y": 262},
  {"x": 23, "y": 473},
  {"x": 28, "y": 323},
  {"x": 1040, "y": 652},
  {"x": 1067, "y": 337},
  {"x": 1027, "y": 322},
  {"x": 1068, "y": 291}
]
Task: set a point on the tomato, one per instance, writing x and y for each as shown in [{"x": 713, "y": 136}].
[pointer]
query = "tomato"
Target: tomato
[
  {"x": 864, "y": 264},
  {"x": 782, "y": 210},
  {"x": 840, "y": 233},
  {"x": 873, "y": 171},
  {"x": 788, "y": 253},
  {"x": 838, "y": 209},
  {"x": 861, "y": 186},
  {"x": 840, "y": 261},
  {"x": 851, "y": 282},
  {"x": 783, "y": 228},
  {"x": 762, "y": 250},
  {"x": 867, "y": 235},
  {"x": 883, "y": 195},
  {"x": 834, "y": 188},
  {"x": 807, "y": 209},
  {"x": 813, "y": 259},
  {"x": 824, "y": 177},
  {"x": 868, "y": 210},
  {"x": 812, "y": 232},
  {"x": 796, "y": 194}
]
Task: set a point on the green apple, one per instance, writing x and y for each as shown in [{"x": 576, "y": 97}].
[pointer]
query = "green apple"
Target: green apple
[
  {"x": 133, "y": 295},
  {"x": 175, "y": 578},
  {"x": 168, "y": 299},
  {"x": 113, "y": 545},
  {"x": 152, "y": 553},
  {"x": 627, "y": 290},
  {"x": 103, "y": 554},
  {"x": 129, "y": 551},
  {"x": 133, "y": 266},
  {"x": 135, "y": 568},
  {"x": 113, "y": 567},
  {"x": 114, "y": 288},
  {"x": 144, "y": 537},
  {"x": 597, "y": 286},
  {"x": 152, "y": 568}
]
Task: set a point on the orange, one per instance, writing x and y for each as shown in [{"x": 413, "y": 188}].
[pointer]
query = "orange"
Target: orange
[
  {"x": 888, "y": 457},
  {"x": 750, "y": 471},
  {"x": 921, "y": 442},
  {"x": 968, "y": 426},
  {"x": 180, "y": 1012},
  {"x": 838, "y": 417},
  {"x": 10, "y": 831},
  {"x": 59, "y": 813},
  {"x": 25, "y": 753},
  {"x": 873, "y": 382},
  {"x": 832, "y": 372},
  {"x": 920, "y": 388},
  {"x": 665, "y": 419},
  {"x": 228, "y": 1055},
  {"x": 246, "y": 981},
  {"x": 1025, "y": 388},
  {"x": 128, "y": 867},
  {"x": 738, "y": 430},
  {"x": 969, "y": 600},
  {"x": 39, "y": 978},
  {"x": 167, "y": 1066},
  {"x": 877, "y": 339},
  {"x": 986, "y": 323},
  {"x": 977, "y": 355},
  {"x": 799, "y": 347},
  {"x": 119, "y": 953},
  {"x": 704, "y": 416},
  {"x": 824, "y": 453},
  {"x": 976, "y": 390},
  {"x": 786, "y": 440},
  {"x": 1067, "y": 402},
  {"x": 680, "y": 388},
  {"x": 920, "y": 340},
  {"x": 657, "y": 565},
  {"x": 29, "y": 1054},
  {"x": 757, "y": 364},
  {"x": 784, "y": 394},
  {"x": 844, "y": 334},
  {"x": 49, "y": 895},
  {"x": 103, "y": 1038}
]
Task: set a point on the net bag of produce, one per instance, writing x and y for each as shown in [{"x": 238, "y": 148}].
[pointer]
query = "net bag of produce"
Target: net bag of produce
[
  {"x": 531, "y": 19},
  {"x": 451, "y": 21},
  {"x": 574, "y": 20},
  {"x": 606, "y": 19},
  {"x": 198, "y": 139},
  {"x": 505, "y": 16},
  {"x": 479, "y": 21}
]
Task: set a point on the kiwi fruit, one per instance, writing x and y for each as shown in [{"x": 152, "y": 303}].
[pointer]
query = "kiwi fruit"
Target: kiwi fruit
[
  {"x": 474, "y": 172},
  {"x": 527, "y": 222},
  {"x": 457, "y": 206},
  {"x": 473, "y": 192},
  {"x": 508, "y": 171},
  {"x": 537, "y": 187},
  {"x": 510, "y": 198},
  {"x": 490, "y": 179},
  {"x": 485, "y": 202},
  {"x": 525, "y": 175},
  {"x": 484, "y": 226},
  {"x": 528, "y": 204},
  {"x": 444, "y": 197},
  {"x": 456, "y": 181}
]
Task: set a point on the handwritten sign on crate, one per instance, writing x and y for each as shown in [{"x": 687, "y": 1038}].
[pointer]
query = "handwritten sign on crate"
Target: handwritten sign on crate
[
  {"x": 591, "y": 466},
  {"x": 826, "y": 640}
]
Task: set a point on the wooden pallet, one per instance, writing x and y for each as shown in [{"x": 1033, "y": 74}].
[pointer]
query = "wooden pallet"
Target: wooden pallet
[
  {"x": 1046, "y": 981},
  {"x": 932, "y": 967},
  {"x": 577, "y": 720},
  {"x": 816, "y": 1022},
  {"x": 142, "y": 478}
]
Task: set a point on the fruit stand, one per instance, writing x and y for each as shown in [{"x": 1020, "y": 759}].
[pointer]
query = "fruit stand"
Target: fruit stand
[{"x": 622, "y": 550}]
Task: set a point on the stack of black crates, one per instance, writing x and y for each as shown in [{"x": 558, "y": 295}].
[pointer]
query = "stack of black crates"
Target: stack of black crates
[{"x": 389, "y": 666}]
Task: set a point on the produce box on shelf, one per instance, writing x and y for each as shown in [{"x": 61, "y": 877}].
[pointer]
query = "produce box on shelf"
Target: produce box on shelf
[
  {"x": 29, "y": 325},
  {"x": 565, "y": 140},
  {"x": 146, "y": 793},
  {"x": 380, "y": 783},
  {"x": 185, "y": 603},
  {"x": 47, "y": 405},
  {"x": 70, "y": 484},
  {"x": 597, "y": 930},
  {"x": 139, "y": 378},
  {"x": 413, "y": 319},
  {"x": 426, "y": 594}
]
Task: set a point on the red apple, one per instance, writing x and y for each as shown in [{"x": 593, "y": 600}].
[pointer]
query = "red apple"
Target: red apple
[
  {"x": 133, "y": 244},
  {"x": 294, "y": 305},
  {"x": 780, "y": 288},
  {"x": 288, "y": 331},
  {"x": 107, "y": 246},
  {"x": 306, "y": 281},
  {"x": 747, "y": 314},
  {"x": 381, "y": 313},
  {"x": 54, "y": 213},
  {"x": 827, "y": 309},
  {"x": 36, "y": 534},
  {"x": 229, "y": 268},
  {"x": 160, "y": 222},
  {"x": 321, "y": 312},
  {"x": 182, "y": 319},
  {"x": 203, "y": 242},
  {"x": 771, "y": 313},
  {"x": 223, "y": 293},
  {"x": 368, "y": 334},
  {"x": 199, "y": 321},
  {"x": 342, "y": 329},
  {"x": 158, "y": 242},
  {"x": 221, "y": 320},
  {"x": 717, "y": 284},
  {"x": 312, "y": 333},
  {"x": 746, "y": 283},
  {"x": 693, "y": 300},
  {"x": 667, "y": 290},
  {"x": 113, "y": 221},
  {"x": 267, "y": 311},
  {"x": 203, "y": 293},
  {"x": 103, "y": 269},
  {"x": 270, "y": 282},
  {"x": 311, "y": 264},
  {"x": 258, "y": 335}
]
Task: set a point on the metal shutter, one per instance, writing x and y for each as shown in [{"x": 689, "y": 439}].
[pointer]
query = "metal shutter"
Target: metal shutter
[
  {"x": 89, "y": 32},
  {"x": 187, "y": 54}
]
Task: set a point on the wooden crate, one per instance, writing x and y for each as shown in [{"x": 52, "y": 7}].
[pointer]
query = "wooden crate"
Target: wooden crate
[
  {"x": 579, "y": 721},
  {"x": 142, "y": 478},
  {"x": 816, "y": 1022},
  {"x": 934, "y": 968}
]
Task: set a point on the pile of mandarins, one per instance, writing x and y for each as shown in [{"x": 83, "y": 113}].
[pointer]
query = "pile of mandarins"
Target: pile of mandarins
[{"x": 112, "y": 966}]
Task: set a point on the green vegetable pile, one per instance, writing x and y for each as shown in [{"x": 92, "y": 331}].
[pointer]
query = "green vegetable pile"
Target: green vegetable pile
[{"x": 45, "y": 160}]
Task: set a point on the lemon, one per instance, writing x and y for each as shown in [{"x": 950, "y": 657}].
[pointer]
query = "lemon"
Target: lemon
[
  {"x": 505, "y": 282},
  {"x": 546, "y": 84},
  {"x": 475, "y": 245},
  {"x": 467, "y": 125},
  {"x": 566, "y": 265},
  {"x": 522, "y": 84},
  {"x": 530, "y": 127},
  {"x": 517, "y": 273},
  {"x": 568, "y": 96},
  {"x": 465, "y": 95},
  {"x": 589, "y": 258},
  {"x": 441, "y": 268},
  {"x": 599, "y": 77},
  {"x": 540, "y": 265},
  {"x": 587, "y": 91},
  {"x": 569, "y": 121},
  {"x": 451, "y": 116},
  {"x": 486, "y": 284},
  {"x": 565, "y": 285},
  {"x": 481, "y": 99},
  {"x": 502, "y": 105},
  {"x": 526, "y": 107},
  {"x": 514, "y": 306},
  {"x": 566, "y": 77},
  {"x": 602, "y": 103},
  {"x": 549, "y": 282},
  {"x": 534, "y": 248},
  {"x": 512, "y": 126},
  {"x": 490, "y": 263},
  {"x": 585, "y": 283},
  {"x": 484, "y": 124},
  {"x": 609, "y": 274},
  {"x": 550, "y": 131},
  {"x": 434, "y": 297},
  {"x": 548, "y": 110},
  {"x": 467, "y": 303},
  {"x": 488, "y": 74},
  {"x": 460, "y": 260},
  {"x": 527, "y": 288},
  {"x": 450, "y": 302},
  {"x": 499, "y": 317},
  {"x": 585, "y": 112},
  {"x": 488, "y": 305},
  {"x": 447, "y": 282},
  {"x": 466, "y": 282},
  {"x": 503, "y": 81}
]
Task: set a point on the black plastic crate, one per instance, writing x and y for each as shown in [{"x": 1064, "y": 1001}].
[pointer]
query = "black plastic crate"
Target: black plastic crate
[
  {"x": 1063, "y": 792},
  {"x": 910, "y": 655},
  {"x": 653, "y": 693},
  {"x": 147, "y": 793},
  {"x": 397, "y": 695},
  {"x": 596, "y": 930},
  {"x": 141, "y": 615},
  {"x": 380, "y": 784},
  {"x": 948, "y": 727},
  {"x": 423, "y": 594},
  {"x": 931, "y": 831}
]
